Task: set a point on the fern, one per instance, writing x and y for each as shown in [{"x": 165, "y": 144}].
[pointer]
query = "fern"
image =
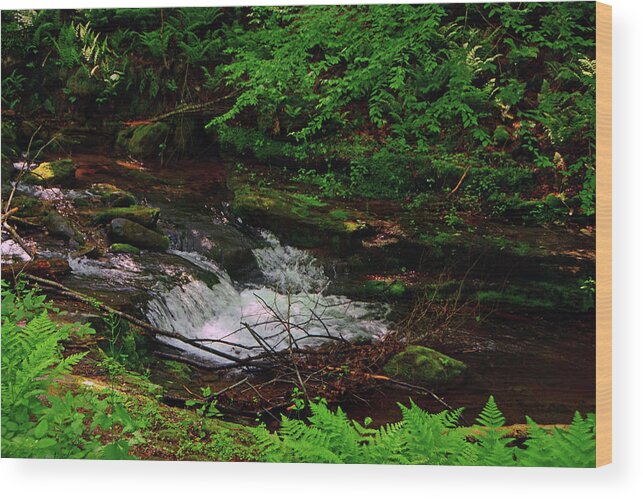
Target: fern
[
  {"x": 35, "y": 421},
  {"x": 424, "y": 438}
]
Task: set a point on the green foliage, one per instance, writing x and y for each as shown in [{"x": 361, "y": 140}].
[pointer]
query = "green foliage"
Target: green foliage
[
  {"x": 364, "y": 98},
  {"x": 38, "y": 420},
  {"x": 424, "y": 438}
]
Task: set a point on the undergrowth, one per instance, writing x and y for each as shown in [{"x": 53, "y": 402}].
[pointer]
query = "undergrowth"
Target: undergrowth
[{"x": 424, "y": 438}]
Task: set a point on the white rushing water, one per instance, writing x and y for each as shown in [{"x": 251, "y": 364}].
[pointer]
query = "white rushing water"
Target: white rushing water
[{"x": 223, "y": 314}]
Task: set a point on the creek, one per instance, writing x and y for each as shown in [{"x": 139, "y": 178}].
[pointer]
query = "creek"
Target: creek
[{"x": 222, "y": 276}]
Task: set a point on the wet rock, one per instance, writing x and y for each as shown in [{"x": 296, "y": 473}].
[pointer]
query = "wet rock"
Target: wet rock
[
  {"x": 60, "y": 226},
  {"x": 62, "y": 172},
  {"x": 122, "y": 230},
  {"x": 147, "y": 140},
  {"x": 230, "y": 248},
  {"x": 142, "y": 215},
  {"x": 124, "y": 248},
  {"x": 299, "y": 219},
  {"x": 424, "y": 366},
  {"x": 113, "y": 196}
]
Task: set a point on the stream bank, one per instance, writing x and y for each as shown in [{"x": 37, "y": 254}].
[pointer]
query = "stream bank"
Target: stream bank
[{"x": 523, "y": 326}]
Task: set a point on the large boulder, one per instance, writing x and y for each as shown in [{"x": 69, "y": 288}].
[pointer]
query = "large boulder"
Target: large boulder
[
  {"x": 62, "y": 172},
  {"x": 147, "y": 141},
  {"x": 424, "y": 366},
  {"x": 140, "y": 214},
  {"x": 122, "y": 230},
  {"x": 299, "y": 219}
]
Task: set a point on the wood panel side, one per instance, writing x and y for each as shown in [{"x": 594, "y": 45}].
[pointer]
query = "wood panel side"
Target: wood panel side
[{"x": 603, "y": 234}]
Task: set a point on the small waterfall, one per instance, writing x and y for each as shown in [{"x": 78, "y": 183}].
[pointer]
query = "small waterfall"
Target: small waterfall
[
  {"x": 289, "y": 269},
  {"x": 221, "y": 314}
]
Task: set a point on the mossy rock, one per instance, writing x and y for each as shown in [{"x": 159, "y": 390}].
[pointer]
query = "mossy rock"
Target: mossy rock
[
  {"x": 124, "y": 248},
  {"x": 29, "y": 206},
  {"x": 62, "y": 172},
  {"x": 140, "y": 214},
  {"x": 300, "y": 219},
  {"x": 424, "y": 366},
  {"x": 126, "y": 231},
  {"x": 113, "y": 196},
  {"x": 148, "y": 140}
]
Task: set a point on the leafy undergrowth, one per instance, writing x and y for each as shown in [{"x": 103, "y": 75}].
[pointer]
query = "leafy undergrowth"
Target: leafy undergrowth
[
  {"x": 423, "y": 438},
  {"x": 48, "y": 411}
]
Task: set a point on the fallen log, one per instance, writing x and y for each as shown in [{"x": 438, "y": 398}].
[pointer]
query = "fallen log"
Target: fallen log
[{"x": 54, "y": 268}]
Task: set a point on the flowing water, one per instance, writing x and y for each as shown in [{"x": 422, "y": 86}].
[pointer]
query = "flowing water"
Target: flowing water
[
  {"x": 281, "y": 303},
  {"x": 287, "y": 307}
]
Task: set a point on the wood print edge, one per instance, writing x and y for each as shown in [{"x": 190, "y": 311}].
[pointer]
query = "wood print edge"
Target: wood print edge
[{"x": 603, "y": 234}]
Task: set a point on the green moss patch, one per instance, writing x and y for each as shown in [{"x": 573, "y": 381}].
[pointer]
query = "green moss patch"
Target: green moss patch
[
  {"x": 62, "y": 172},
  {"x": 424, "y": 366},
  {"x": 148, "y": 141},
  {"x": 393, "y": 288},
  {"x": 302, "y": 219},
  {"x": 124, "y": 248},
  {"x": 113, "y": 196},
  {"x": 140, "y": 214}
]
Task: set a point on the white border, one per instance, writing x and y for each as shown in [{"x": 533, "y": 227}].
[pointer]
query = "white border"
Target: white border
[{"x": 97, "y": 480}]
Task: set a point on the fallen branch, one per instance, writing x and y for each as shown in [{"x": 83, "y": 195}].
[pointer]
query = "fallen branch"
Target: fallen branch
[
  {"x": 460, "y": 181},
  {"x": 16, "y": 237}
]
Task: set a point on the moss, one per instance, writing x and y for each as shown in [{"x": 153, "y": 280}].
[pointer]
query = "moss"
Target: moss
[
  {"x": 28, "y": 206},
  {"x": 62, "y": 172},
  {"x": 425, "y": 366},
  {"x": 113, "y": 196},
  {"x": 538, "y": 295},
  {"x": 124, "y": 248},
  {"x": 147, "y": 141},
  {"x": 301, "y": 219},
  {"x": 140, "y": 214},
  {"x": 519, "y": 248},
  {"x": 393, "y": 288}
]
